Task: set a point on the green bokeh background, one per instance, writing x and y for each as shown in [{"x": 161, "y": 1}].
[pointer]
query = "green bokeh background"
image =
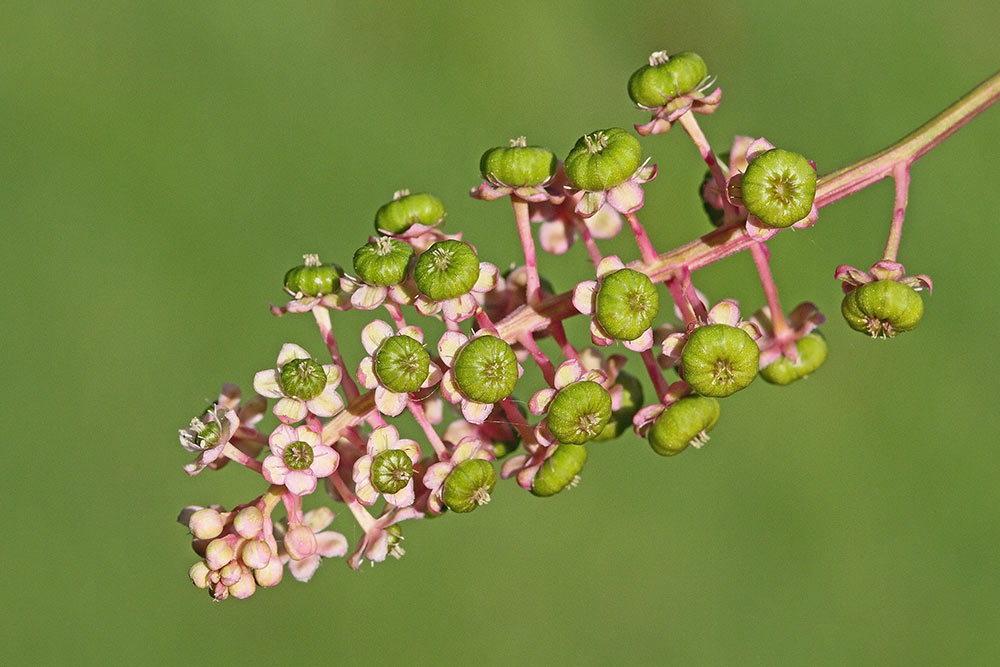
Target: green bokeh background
[{"x": 163, "y": 163}]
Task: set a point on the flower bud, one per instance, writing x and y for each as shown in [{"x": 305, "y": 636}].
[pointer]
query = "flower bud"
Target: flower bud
[
  {"x": 559, "y": 470},
  {"x": 665, "y": 78},
  {"x": 270, "y": 574},
  {"x": 627, "y": 303},
  {"x": 199, "y": 574},
  {"x": 603, "y": 159},
  {"x": 220, "y": 552},
  {"x": 519, "y": 165},
  {"x": 313, "y": 278},
  {"x": 448, "y": 269},
  {"x": 406, "y": 210},
  {"x": 231, "y": 572},
  {"x": 719, "y": 360},
  {"x": 383, "y": 262},
  {"x": 579, "y": 412},
  {"x": 256, "y": 554},
  {"x": 469, "y": 485},
  {"x": 248, "y": 522},
  {"x": 402, "y": 364},
  {"x": 244, "y": 587},
  {"x": 812, "y": 353},
  {"x": 300, "y": 542},
  {"x": 686, "y": 421},
  {"x": 882, "y": 308},
  {"x": 206, "y": 524},
  {"x": 486, "y": 369},
  {"x": 778, "y": 187}
]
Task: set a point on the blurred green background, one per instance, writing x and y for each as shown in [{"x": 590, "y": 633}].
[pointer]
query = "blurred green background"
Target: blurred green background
[{"x": 163, "y": 163}]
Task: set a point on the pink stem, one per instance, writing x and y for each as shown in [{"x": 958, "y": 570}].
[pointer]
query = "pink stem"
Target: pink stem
[
  {"x": 655, "y": 374},
  {"x": 559, "y": 333},
  {"x": 232, "y": 452},
  {"x": 682, "y": 302},
  {"x": 690, "y": 125},
  {"x": 396, "y": 313},
  {"x": 293, "y": 507},
  {"x": 761, "y": 257},
  {"x": 523, "y": 220},
  {"x": 528, "y": 341},
  {"x": 484, "y": 320},
  {"x": 649, "y": 253},
  {"x": 420, "y": 416},
  {"x": 351, "y": 434},
  {"x": 518, "y": 421},
  {"x": 901, "y": 174},
  {"x": 588, "y": 241},
  {"x": 361, "y": 515},
  {"x": 322, "y": 316}
]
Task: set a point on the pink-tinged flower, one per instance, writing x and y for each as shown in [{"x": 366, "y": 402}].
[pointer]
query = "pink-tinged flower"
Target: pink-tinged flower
[
  {"x": 386, "y": 468},
  {"x": 493, "y": 188},
  {"x": 802, "y": 320},
  {"x": 301, "y": 384},
  {"x": 568, "y": 372},
  {"x": 450, "y": 346},
  {"x": 755, "y": 227},
  {"x": 726, "y": 311},
  {"x": 467, "y": 449},
  {"x": 461, "y": 308},
  {"x": 329, "y": 544},
  {"x": 298, "y": 458},
  {"x": 560, "y": 224},
  {"x": 702, "y": 99},
  {"x": 389, "y": 402},
  {"x": 585, "y": 301},
  {"x": 627, "y": 197},
  {"x": 648, "y": 414},
  {"x": 245, "y": 437},
  {"x": 383, "y": 537},
  {"x": 882, "y": 270},
  {"x": 510, "y": 293},
  {"x": 524, "y": 467},
  {"x": 593, "y": 360},
  {"x": 209, "y": 437},
  {"x": 496, "y": 431},
  {"x": 369, "y": 297}
]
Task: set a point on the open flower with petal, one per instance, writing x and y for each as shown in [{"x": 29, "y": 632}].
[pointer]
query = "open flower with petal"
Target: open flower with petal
[
  {"x": 386, "y": 468},
  {"x": 726, "y": 312},
  {"x": 803, "y": 319},
  {"x": 585, "y": 300},
  {"x": 466, "y": 449},
  {"x": 463, "y": 306},
  {"x": 369, "y": 297},
  {"x": 627, "y": 197},
  {"x": 568, "y": 373},
  {"x": 882, "y": 270},
  {"x": 499, "y": 371},
  {"x": 407, "y": 365},
  {"x": 329, "y": 544},
  {"x": 298, "y": 458},
  {"x": 525, "y": 466},
  {"x": 383, "y": 536},
  {"x": 561, "y": 225},
  {"x": 208, "y": 437},
  {"x": 301, "y": 386},
  {"x": 666, "y": 106}
]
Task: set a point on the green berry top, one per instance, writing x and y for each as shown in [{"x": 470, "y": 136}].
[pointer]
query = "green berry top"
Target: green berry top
[
  {"x": 627, "y": 303},
  {"x": 313, "y": 278},
  {"x": 486, "y": 369},
  {"x": 682, "y": 423},
  {"x": 812, "y": 352},
  {"x": 719, "y": 360},
  {"x": 448, "y": 269},
  {"x": 882, "y": 308},
  {"x": 665, "y": 78},
  {"x": 519, "y": 165},
  {"x": 383, "y": 262},
  {"x": 579, "y": 412},
  {"x": 778, "y": 187},
  {"x": 560, "y": 470},
  {"x": 406, "y": 210},
  {"x": 603, "y": 159}
]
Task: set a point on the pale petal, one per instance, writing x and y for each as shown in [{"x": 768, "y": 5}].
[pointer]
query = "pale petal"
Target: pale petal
[
  {"x": 280, "y": 438},
  {"x": 642, "y": 343},
  {"x": 738, "y": 153},
  {"x": 604, "y": 224},
  {"x": 300, "y": 482},
  {"x": 402, "y": 498},
  {"x": 318, "y": 518},
  {"x": 449, "y": 390},
  {"x": 726, "y": 311},
  {"x": 752, "y": 329},
  {"x": 411, "y": 447},
  {"x": 449, "y": 344},
  {"x": 758, "y": 230},
  {"x": 331, "y": 544},
  {"x": 513, "y": 465},
  {"x": 758, "y": 146},
  {"x": 290, "y": 410},
  {"x": 412, "y": 332},
  {"x": 433, "y": 376},
  {"x": 811, "y": 218},
  {"x": 365, "y": 492},
  {"x": 609, "y": 265},
  {"x": 596, "y": 376},
  {"x": 274, "y": 470},
  {"x": 381, "y": 439},
  {"x": 307, "y": 435},
  {"x": 332, "y": 375},
  {"x": 230, "y": 396},
  {"x": 266, "y": 384},
  {"x": 646, "y": 416},
  {"x": 403, "y": 294},
  {"x": 806, "y": 316},
  {"x": 539, "y": 403},
  {"x": 584, "y": 297},
  {"x": 291, "y": 351},
  {"x": 555, "y": 237},
  {"x": 325, "y": 461},
  {"x": 366, "y": 373},
  {"x": 567, "y": 373},
  {"x": 598, "y": 336},
  {"x": 849, "y": 274},
  {"x": 526, "y": 477},
  {"x": 487, "y": 280},
  {"x": 436, "y": 474},
  {"x": 426, "y": 306},
  {"x": 469, "y": 448},
  {"x": 476, "y": 413},
  {"x": 460, "y": 308},
  {"x": 673, "y": 346},
  {"x": 373, "y": 334},
  {"x": 327, "y": 404},
  {"x": 389, "y": 403},
  {"x": 627, "y": 197},
  {"x": 368, "y": 297},
  {"x": 304, "y": 569},
  {"x": 590, "y": 203}
]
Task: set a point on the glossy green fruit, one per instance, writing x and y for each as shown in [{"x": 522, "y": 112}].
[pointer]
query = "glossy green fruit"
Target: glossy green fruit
[
  {"x": 681, "y": 423},
  {"x": 559, "y": 470},
  {"x": 579, "y": 412},
  {"x": 603, "y": 159},
  {"x": 391, "y": 470},
  {"x": 402, "y": 364},
  {"x": 518, "y": 165},
  {"x": 882, "y": 308},
  {"x": 302, "y": 378},
  {"x": 486, "y": 369},
  {"x": 383, "y": 262},
  {"x": 812, "y": 353},
  {"x": 469, "y": 485},
  {"x": 621, "y": 419},
  {"x": 653, "y": 86},
  {"x": 627, "y": 303},
  {"x": 400, "y": 214},
  {"x": 719, "y": 360},
  {"x": 313, "y": 278},
  {"x": 448, "y": 269},
  {"x": 778, "y": 187}
]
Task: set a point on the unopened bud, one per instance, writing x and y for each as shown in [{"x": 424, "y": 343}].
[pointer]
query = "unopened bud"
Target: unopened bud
[
  {"x": 231, "y": 573},
  {"x": 206, "y": 524},
  {"x": 300, "y": 542},
  {"x": 245, "y": 587},
  {"x": 256, "y": 554},
  {"x": 248, "y": 522},
  {"x": 219, "y": 552},
  {"x": 270, "y": 574},
  {"x": 199, "y": 574}
]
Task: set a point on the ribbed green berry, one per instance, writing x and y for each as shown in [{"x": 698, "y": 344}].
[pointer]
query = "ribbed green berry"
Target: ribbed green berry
[
  {"x": 298, "y": 455},
  {"x": 882, "y": 308},
  {"x": 469, "y": 485},
  {"x": 627, "y": 303},
  {"x": 302, "y": 378},
  {"x": 518, "y": 165},
  {"x": 603, "y": 159},
  {"x": 579, "y": 412},
  {"x": 391, "y": 470},
  {"x": 719, "y": 360},
  {"x": 621, "y": 419},
  {"x": 686, "y": 420},
  {"x": 486, "y": 369},
  {"x": 812, "y": 354},
  {"x": 402, "y": 364},
  {"x": 406, "y": 210},
  {"x": 654, "y": 85},
  {"x": 313, "y": 278},
  {"x": 778, "y": 187},
  {"x": 383, "y": 262},
  {"x": 448, "y": 269},
  {"x": 559, "y": 470}
]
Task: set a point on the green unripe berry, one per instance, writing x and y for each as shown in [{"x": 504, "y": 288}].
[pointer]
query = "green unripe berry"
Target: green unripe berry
[
  {"x": 313, "y": 278},
  {"x": 486, "y": 369},
  {"x": 719, "y": 360},
  {"x": 302, "y": 378},
  {"x": 406, "y": 210},
  {"x": 882, "y": 308},
  {"x": 621, "y": 419},
  {"x": 627, "y": 303},
  {"x": 402, "y": 364},
  {"x": 812, "y": 353},
  {"x": 298, "y": 455},
  {"x": 778, "y": 187},
  {"x": 469, "y": 485},
  {"x": 579, "y": 412},
  {"x": 684, "y": 421},
  {"x": 383, "y": 262},
  {"x": 656, "y": 84},
  {"x": 448, "y": 269},
  {"x": 603, "y": 159},
  {"x": 518, "y": 165},
  {"x": 391, "y": 470},
  {"x": 559, "y": 470}
]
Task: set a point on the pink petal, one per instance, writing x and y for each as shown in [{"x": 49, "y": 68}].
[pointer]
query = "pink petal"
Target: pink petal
[
  {"x": 300, "y": 482},
  {"x": 850, "y": 275},
  {"x": 290, "y": 410},
  {"x": 642, "y": 343},
  {"x": 726, "y": 311},
  {"x": 266, "y": 384},
  {"x": 584, "y": 297},
  {"x": 332, "y": 375},
  {"x": 280, "y": 438},
  {"x": 365, "y": 492},
  {"x": 381, "y": 439},
  {"x": 449, "y": 345},
  {"x": 412, "y": 332},
  {"x": 555, "y": 237},
  {"x": 604, "y": 224},
  {"x": 459, "y": 309},
  {"x": 609, "y": 265},
  {"x": 758, "y": 146},
  {"x": 366, "y": 373},
  {"x": 274, "y": 469},
  {"x": 433, "y": 376},
  {"x": 402, "y": 498},
  {"x": 327, "y": 404},
  {"x": 325, "y": 461},
  {"x": 449, "y": 390},
  {"x": 526, "y": 476},
  {"x": 597, "y": 335},
  {"x": 590, "y": 203},
  {"x": 567, "y": 373},
  {"x": 476, "y": 413},
  {"x": 307, "y": 435},
  {"x": 436, "y": 474},
  {"x": 304, "y": 569},
  {"x": 319, "y": 518},
  {"x": 758, "y": 230},
  {"x": 389, "y": 403},
  {"x": 673, "y": 345},
  {"x": 368, "y": 297},
  {"x": 291, "y": 351},
  {"x": 627, "y": 197},
  {"x": 374, "y": 333},
  {"x": 738, "y": 153},
  {"x": 426, "y": 306},
  {"x": 331, "y": 544},
  {"x": 487, "y": 280},
  {"x": 539, "y": 403},
  {"x": 512, "y": 465}
]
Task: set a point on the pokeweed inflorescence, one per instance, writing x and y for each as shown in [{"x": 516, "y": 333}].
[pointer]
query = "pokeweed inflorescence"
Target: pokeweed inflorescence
[{"x": 335, "y": 435}]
